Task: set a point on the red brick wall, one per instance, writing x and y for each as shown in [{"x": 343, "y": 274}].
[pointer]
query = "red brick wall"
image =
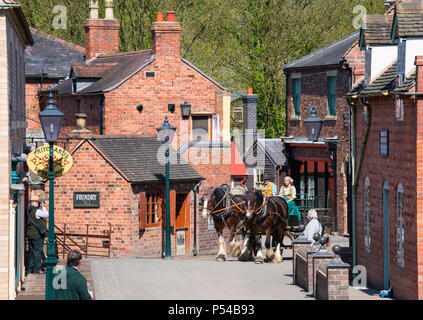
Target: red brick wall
[
  {"x": 399, "y": 167},
  {"x": 101, "y": 36},
  {"x": 92, "y": 173},
  {"x": 314, "y": 90},
  {"x": 419, "y": 164},
  {"x": 32, "y": 101}
]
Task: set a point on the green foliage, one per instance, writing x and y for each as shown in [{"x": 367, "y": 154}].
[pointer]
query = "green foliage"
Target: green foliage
[{"x": 240, "y": 43}]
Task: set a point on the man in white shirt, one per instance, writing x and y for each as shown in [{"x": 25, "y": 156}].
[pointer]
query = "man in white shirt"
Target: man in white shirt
[{"x": 313, "y": 225}]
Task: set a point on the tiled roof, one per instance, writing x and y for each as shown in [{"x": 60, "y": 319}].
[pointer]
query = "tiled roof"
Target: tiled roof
[
  {"x": 409, "y": 19},
  {"x": 409, "y": 82},
  {"x": 51, "y": 56},
  {"x": 377, "y": 29},
  {"x": 110, "y": 70},
  {"x": 381, "y": 85},
  {"x": 139, "y": 163},
  {"x": 274, "y": 150},
  {"x": 332, "y": 54}
]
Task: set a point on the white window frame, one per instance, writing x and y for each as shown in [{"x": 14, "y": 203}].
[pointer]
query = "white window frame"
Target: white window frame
[
  {"x": 257, "y": 173},
  {"x": 366, "y": 214},
  {"x": 399, "y": 226}
]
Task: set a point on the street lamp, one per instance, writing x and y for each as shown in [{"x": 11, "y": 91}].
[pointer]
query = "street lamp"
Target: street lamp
[
  {"x": 313, "y": 125},
  {"x": 165, "y": 135},
  {"x": 51, "y": 121}
]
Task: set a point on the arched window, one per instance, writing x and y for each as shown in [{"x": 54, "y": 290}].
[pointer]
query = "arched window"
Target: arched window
[
  {"x": 366, "y": 197},
  {"x": 400, "y": 226}
]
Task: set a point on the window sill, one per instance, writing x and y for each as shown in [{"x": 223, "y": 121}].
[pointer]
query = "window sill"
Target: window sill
[{"x": 330, "y": 118}]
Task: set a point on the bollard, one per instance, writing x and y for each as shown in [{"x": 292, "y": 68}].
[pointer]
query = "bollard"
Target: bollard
[
  {"x": 297, "y": 244},
  {"x": 322, "y": 256},
  {"x": 337, "y": 273}
]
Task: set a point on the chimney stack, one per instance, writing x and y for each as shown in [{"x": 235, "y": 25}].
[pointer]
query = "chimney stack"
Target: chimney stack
[
  {"x": 249, "y": 113},
  {"x": 166, "y": 37},
  {"x": 101, "y": 35},
  {"x": 419, "y": 73}
]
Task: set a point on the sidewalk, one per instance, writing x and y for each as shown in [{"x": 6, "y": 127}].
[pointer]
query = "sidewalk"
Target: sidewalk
[{"x": 34, "y": 285}]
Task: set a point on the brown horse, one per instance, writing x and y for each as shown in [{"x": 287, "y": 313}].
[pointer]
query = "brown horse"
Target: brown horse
[
  {"x": 226, "y": 210},
  {"x": 269, "y": 216}
]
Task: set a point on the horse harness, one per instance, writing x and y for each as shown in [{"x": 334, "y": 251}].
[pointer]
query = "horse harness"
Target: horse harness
[{"x": 223, "y": 213}]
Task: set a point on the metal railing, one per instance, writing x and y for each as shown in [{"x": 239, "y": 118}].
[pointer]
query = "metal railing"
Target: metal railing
[
  {"x": 91, "y": 240},
  {"x": 322, "y": 204}
]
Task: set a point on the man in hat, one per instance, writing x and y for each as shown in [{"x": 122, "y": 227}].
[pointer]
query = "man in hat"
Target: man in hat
[
  {"x": 313, "y": 225},
  {"x": 268, "y": 188},
  {"x": 36, "y": 214}
]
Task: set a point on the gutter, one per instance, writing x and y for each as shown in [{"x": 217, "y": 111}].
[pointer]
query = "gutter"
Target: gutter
[{"x": 195, "y": 251}]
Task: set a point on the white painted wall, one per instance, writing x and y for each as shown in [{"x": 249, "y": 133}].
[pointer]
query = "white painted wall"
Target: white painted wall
[
  {"x": 413, "y": 48},
  {"x": 382, "y": 57}
]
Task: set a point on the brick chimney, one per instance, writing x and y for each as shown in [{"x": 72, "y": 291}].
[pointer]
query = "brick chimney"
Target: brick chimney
[
  {"x": 166, "y": 37},
  {"x": 249, "y": 113},
  {"x": 101, "y": 35},
  {"x": 419, "y": 73}
]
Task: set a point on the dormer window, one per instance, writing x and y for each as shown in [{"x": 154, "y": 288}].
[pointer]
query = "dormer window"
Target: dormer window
[
  {"x": 400, "y": 63},
  {"x": 368, "y": 66}
]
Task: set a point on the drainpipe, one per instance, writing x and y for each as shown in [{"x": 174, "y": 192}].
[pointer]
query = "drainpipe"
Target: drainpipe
[{"x": 194, "y": 251}]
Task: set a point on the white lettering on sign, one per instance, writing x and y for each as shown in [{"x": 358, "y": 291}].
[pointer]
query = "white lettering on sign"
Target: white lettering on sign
[{"x": 86, "y": 197}]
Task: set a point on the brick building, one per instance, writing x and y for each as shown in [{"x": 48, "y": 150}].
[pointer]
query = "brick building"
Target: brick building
[
  {"x": 14, "y": 38},
  {"x": 47, "y": 62},
  {"x": 113, "y": 93},
  {"x": 320, "y": 169},
  {"x": 387, "y": 140}
]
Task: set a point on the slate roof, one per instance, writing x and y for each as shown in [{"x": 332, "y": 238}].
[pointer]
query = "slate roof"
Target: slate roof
[
  {"x": 110, "y": 71},
  {"x": 136, "y": 158},
  {"x": 409, "y": 20},
  {"x": 409, "y": 82},
  {"x": 51, "y": 55},
  {"x": 273, "y": 148},
  {"x": 376, "y": 30},
  {"x": 332, "y": 54}
]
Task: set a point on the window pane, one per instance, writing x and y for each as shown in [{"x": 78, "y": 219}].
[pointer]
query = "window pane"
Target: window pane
[
  {"x": 297, "y": 92},
  {"x": 200, "y": 128}
]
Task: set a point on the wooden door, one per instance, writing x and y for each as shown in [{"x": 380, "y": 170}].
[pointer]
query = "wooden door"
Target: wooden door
[
  {"x": 386, "y": 259},
  {"x": 182, "y": 221}
]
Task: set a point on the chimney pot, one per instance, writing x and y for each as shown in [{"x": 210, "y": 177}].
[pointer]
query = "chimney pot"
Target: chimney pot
[
  {"x": 93, "y": 9},
  {"x": 170, "y": 16},
  {"x": 250, "y": 91},
  {"x": 109, "y": 15},
  {"x": 159, "y": 17}
]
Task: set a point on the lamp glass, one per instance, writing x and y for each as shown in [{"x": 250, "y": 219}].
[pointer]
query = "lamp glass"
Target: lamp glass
[
  {"x": 186, "y": 109},
  {"x": 51, "y": 121}
]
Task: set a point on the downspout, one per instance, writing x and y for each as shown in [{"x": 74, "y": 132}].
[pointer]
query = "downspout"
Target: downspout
[{"x": 194, "y": 250}]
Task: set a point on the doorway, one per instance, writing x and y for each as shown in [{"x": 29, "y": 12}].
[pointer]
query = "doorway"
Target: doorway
[{"x": 182, "y": 222}]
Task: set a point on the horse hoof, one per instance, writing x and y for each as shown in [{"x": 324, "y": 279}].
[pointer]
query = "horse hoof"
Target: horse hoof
[
  {"x": 221, "y": 258},
  {"x": 258, "y": 262},
  {"x": 270, "y": 255},
  {"x": 277, "y": 260}
]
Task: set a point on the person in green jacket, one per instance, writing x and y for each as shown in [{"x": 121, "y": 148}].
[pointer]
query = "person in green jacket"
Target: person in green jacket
[
  {"x": 76, "y": 286},
  {"x": 35, "y": 216}
]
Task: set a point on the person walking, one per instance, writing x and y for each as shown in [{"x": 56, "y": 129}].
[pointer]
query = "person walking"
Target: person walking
[
  {"x": 288, "y": 192},
  {"x": 35, "y": 233},
  {"x": 76, "y": 286}
]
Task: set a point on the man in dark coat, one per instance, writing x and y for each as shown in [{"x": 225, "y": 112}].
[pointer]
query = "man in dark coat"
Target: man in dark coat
[
  {"x": 76, "y": 287},
  {"x": 36, "y": 215}
]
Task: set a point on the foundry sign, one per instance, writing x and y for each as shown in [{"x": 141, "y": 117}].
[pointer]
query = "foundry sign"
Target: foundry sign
[
  {"x": 38, "y": 161},
  {"x": 83, "y": 200}
]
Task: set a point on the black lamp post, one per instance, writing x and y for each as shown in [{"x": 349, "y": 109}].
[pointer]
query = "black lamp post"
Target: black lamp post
[
  {"x": 313, "y": 125},
  {"x": 165, "y": 134},
  {"x": 51, "y": 121}
]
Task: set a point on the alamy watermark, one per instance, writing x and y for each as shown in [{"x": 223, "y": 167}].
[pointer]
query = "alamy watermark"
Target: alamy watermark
[
  {"x": 60, "y": 20},
  {"x": 358, "y": 20}
]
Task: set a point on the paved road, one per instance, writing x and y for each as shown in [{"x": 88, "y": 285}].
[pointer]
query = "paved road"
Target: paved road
[{"x": 196, "y": 278}]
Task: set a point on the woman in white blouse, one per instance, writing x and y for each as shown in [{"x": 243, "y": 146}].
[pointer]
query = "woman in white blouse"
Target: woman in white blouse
[{"x": 288, "y": 192}]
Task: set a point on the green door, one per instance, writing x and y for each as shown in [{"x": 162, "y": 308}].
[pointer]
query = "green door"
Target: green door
[{"x": 385, "y": 236}]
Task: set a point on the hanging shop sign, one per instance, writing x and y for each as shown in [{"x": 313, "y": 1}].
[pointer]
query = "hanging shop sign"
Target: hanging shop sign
[{"x": 38, "y": 161}]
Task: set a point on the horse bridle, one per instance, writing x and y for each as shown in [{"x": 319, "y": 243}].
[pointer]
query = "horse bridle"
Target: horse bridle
[{"x": 226, "y": 208}]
